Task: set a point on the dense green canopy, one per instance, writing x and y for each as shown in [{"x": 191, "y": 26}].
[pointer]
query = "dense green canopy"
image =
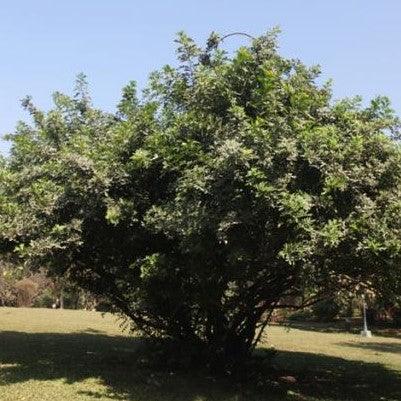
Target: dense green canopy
[{"x": 232, "y": 187}]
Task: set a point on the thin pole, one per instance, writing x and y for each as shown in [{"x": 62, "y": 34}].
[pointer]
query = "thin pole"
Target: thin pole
[{"x": 365, "y": 322}]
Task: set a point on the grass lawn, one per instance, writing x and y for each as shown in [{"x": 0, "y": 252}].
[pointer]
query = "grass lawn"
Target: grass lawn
[{"x": 78, "y": 355}]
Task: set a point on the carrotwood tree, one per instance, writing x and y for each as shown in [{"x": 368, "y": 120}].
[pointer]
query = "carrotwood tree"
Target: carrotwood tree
[{"x": 232, "y": 187}]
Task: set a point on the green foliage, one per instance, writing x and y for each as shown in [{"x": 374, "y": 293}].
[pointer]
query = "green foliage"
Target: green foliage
[
  {"x": 327, "y": 310},
  {"x": 234, "y": 186},
  {"x": 8, "y": 292},
  {"x": 45, "y": 299}
]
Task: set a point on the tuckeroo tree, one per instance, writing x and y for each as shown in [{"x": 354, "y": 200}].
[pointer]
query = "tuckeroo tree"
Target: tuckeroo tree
[{"x": 234, "y": 186}]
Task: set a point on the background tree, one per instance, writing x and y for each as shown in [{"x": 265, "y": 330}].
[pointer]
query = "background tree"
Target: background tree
[{"x": 233, "y": 187}]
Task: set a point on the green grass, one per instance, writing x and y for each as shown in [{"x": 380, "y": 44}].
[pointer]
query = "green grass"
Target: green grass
[{"x": 78, "y": 355}]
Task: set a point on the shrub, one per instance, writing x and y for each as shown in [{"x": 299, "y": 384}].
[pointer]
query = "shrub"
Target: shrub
[
  {"x": 27, "y": 290},
  {"x": 327, "y": 310},
  {"x": 233, "y": 187},
  {"x": 45, "y": 299}
]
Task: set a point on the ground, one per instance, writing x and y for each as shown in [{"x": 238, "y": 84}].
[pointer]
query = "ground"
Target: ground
[{"x": 78, "y": 355}]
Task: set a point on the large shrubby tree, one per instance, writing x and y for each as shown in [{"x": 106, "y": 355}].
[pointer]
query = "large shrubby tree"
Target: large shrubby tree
[{"x": 232, "y": 187}]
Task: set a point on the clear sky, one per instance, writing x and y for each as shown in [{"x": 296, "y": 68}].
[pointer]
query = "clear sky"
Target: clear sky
[{"x": 45, "y": 43}]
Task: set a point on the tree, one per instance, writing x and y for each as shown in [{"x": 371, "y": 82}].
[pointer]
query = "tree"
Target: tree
[{"x": 234, "y": 186}]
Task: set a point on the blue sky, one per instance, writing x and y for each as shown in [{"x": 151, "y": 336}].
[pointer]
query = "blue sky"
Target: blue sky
[{"x": 44, "y": 44}]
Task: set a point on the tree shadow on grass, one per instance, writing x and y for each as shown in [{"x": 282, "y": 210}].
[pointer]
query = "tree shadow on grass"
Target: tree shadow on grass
[
  {"x": 324, "y": 377},
  {"x": 113, "y": 360},
  {"x": 342, "y": 327},
  {"x": 332, "y": 327},
  {"x": 393, "y": 348}
]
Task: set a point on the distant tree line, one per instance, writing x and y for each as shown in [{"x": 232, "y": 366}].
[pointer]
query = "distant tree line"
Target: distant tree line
[{"x": 37, "y": 289}]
